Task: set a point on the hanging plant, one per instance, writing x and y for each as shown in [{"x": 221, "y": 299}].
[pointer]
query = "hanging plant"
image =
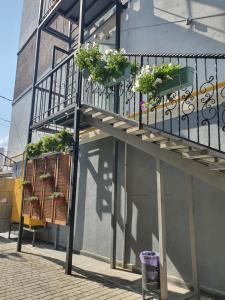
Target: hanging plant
[
  {"x": 107, "y": 68},
  {"x": 45, "y": 176},
  {"x": 156, "y": 81},
  {"x": 32, "y": 200},
  {"x": 57, "y": 195},
  {"x": 26, "y": 183}
]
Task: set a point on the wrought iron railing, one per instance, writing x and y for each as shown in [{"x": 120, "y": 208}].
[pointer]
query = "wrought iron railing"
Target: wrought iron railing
[
  {"x": 196, "y": 113},
  {"x": 56, "y": 91},
  {"x": 48, "y": 5}
]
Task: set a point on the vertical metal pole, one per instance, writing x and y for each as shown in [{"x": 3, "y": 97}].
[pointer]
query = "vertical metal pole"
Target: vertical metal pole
[
  {"x": 162, "y": 231},
  {"x": 37, "y": 52},
  {"x": 194, "y": 257},
  {"x": 72, "y": 202},
  {"x": 115, "y": 148},
  {"x": 125, "y": 206}
]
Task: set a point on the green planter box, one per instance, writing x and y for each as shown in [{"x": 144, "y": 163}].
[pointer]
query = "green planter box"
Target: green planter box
[
  {"x": 181, "y": 79},
  {"x": 126, "y": 75}
]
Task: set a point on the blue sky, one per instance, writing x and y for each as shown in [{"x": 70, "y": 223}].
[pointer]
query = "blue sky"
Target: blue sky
[{"x": 10, "y": 19}]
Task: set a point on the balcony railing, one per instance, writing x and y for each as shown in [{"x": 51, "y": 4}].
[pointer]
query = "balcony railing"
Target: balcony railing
[
  {"x": 56, "y": 92},
  {"x": 196, "y": 113}
]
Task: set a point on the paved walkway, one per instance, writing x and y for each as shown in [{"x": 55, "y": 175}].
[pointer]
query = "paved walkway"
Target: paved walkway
[{"x": 37, "y": 273}]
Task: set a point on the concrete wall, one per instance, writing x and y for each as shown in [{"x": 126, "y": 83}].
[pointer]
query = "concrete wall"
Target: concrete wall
[
  {"x": 160, "y": 26},
  {"x": 93, "y": 213}
]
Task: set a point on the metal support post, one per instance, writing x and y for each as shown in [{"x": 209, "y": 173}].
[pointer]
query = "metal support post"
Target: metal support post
[
  {"x": 29, "y": 138},
  {"x": 194, "y": 258},
  {"x": 162, "y": 231},
  {"x": 72, "y": 202}
]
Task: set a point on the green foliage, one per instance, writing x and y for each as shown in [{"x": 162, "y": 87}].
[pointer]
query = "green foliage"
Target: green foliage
[
  {"x": 26, "y": 182},
  {"x": 102, "y": 67},
  {"x": 32, "y": 198},
  {"x": 59, "y": 142},
  {"x": 65, "y": 139},
  {"x": 34, "y": 149},
  {"x": 45, "y": 176},
  {"x": 50, "y": 143},
  {"x": 57, "y": 195},
  {"x": 151, "y": 77}
]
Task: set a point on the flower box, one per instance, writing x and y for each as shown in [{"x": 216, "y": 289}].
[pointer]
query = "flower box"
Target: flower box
[
  {"x": 115, "y": 81},
  {"x": 182, "y": 78}
]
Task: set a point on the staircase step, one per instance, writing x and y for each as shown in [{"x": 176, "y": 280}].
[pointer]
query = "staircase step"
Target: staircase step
[
  {"x": 121, "y": 125},
  {"x": 172, "y": 145},
  {"x": 217, "y": 166},
  {"x": 98, "y": 115},
  {"x": 135, "y": 131},
  {"x": 196, "y": 154},
  {"x": 109, "y": 120},
  {"x": 89, "y": 111},
  {"x": 153, "y": 137}
]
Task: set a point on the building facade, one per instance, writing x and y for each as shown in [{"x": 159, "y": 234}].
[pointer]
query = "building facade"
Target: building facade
[{"x": 188, "y": 32}]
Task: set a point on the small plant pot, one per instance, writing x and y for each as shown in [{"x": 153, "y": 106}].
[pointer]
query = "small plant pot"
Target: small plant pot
[
  {"x": 115, "y": 81},
  {"x": 181, "y": 79}
]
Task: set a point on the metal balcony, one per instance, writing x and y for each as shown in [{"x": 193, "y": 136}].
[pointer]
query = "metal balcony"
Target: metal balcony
[
  {"x": 196, "y": 113},
  {"x": 70, "y": 10},
  {"x": 55, "y": 94}
]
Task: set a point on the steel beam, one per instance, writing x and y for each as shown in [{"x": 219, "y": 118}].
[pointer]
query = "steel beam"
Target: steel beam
[
  {"x": 115, "y": 149},
  {"x": 125, "y": 207},
  {"x": 29, "y": 138},
  {"x": 72, "y": 202}
]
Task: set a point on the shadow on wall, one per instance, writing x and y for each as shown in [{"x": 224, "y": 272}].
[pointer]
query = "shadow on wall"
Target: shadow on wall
[{"x": 166, "y": 26}]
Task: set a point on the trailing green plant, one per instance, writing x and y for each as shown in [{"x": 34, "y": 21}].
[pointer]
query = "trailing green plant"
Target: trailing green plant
[
  {"x": 151, "y": 78},
  {"x": 65, "y": 140},
  {"x": 34, "y": 149},
  {"x": 32, "y": 198},
  {"x": 50, "y": 143},
  {"x": 59, "y": 142},
  {"x": 45, "y": 176},
  {"x": 57, "y": 195},
  {"x": 26, "y": 182},
  {"x": 103, "y": 67}
]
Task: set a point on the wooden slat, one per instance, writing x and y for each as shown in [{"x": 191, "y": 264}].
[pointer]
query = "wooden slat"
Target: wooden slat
[
  {"x": 198, "y": 154},
  {"x": 109, "y": 120},
  {"x": 172, "y": 145},
  {"x": 153, "y": 137},
  {"x": 89, "y": 111},
  {"x": 217, "y": 166},
  {"x": 135, "y": 131},
  {"x": 99, "y": 115},
  {"x": 121, "y": 125}
]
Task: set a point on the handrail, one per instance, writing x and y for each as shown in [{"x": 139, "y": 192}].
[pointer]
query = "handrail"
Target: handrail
[{"x": 56, "y": 68}]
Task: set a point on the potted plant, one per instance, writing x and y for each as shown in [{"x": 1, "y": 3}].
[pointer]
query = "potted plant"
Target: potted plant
[
  {"x": 107, "y": 69},
  {"x": 58, "y": 198},
  {"x": 45, "y": 176},
  {"x": 27, "y": 183},
  {"x": 157, "y": 81},
  {"x": 33, "y": 200}
]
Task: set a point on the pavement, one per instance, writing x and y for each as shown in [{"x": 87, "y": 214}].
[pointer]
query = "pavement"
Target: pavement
[{"x": 38, "y": 273}]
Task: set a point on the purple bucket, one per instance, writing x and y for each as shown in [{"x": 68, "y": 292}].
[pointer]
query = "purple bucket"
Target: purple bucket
[{"x": 151, "y": 258}]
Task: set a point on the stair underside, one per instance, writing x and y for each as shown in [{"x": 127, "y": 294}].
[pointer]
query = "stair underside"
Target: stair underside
[{"x": 215, "y": 160}]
